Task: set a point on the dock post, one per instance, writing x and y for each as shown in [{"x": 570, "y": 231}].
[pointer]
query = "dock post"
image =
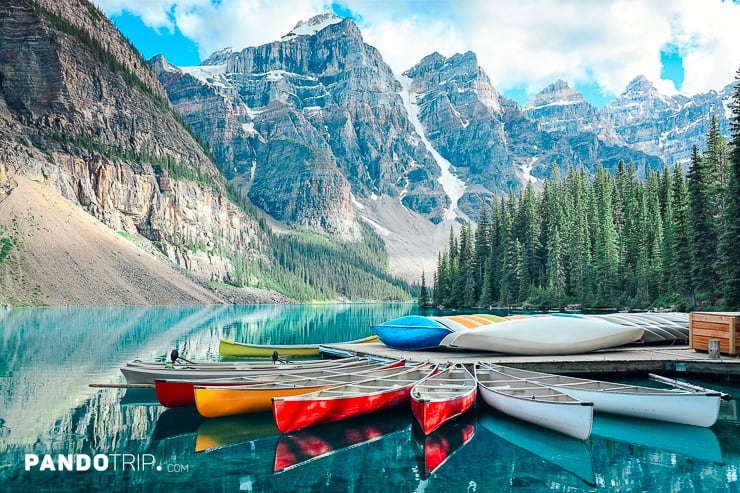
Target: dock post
[{"x": 713, "y": 349}]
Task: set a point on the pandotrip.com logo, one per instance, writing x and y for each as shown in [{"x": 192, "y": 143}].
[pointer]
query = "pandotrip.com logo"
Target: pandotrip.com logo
[{"x": 99, "y": 462}]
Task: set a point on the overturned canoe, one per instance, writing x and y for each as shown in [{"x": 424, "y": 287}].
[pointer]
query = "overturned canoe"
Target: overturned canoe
[
  {"x": 234, "y": 349},
  {"x": 443, "y": 397},
  {"x": 544, "y": 335},
  {"x": 534, "y": 402},
  {"x": 412, "y": 332}
]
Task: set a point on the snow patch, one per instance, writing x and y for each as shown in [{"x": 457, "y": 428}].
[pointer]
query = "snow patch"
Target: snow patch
[
  {"x": 312, "y": 26},
  {"x": 453, "y": 186},
  {"x": 525, "y": 172},
  {"x": 251, "y": 112},
  {"x": 356, "y": 202},
  {"x": 377, "y": 227},
  {"x": 249, "y": 128},
  {"x": 206, "y": 73}
]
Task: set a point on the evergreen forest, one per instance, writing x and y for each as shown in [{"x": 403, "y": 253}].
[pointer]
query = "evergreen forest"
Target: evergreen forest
[{"x": 666, "y": 239}]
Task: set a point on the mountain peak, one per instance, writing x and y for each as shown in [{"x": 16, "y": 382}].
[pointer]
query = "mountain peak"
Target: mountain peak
[
  {"x": 640, "y": 84},
  {"x": 313, "y": 25},
  {"x": 558, "y": 92}
]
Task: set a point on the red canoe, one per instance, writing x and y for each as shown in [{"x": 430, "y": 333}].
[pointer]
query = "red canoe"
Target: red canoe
[
  {"x": 347, "y": 401},
  {"x": 180, "y": 393},
  {"x": 443, "y": 397}
]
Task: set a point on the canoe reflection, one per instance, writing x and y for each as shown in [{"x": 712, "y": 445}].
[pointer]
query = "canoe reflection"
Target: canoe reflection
[
  {"x": 177, "y": 422},
  {"x": 305, "y": 446},
  {"x": 693, "y": 442},
  {"x": 565, "y": 452},
  {"x": 442, "y": 444},
  {"x": 222, "y": 432}
]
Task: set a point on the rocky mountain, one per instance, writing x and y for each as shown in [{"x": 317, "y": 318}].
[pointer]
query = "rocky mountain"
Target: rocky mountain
[
  {"x": 82, "y": 114},
  {"x": 306, "y": 123},
  {"x": 491, "y": 143},
  {"x": 560, "y": 108},
  {"x": 321, "y": 109},
  {"x": 643, "y": 119}
]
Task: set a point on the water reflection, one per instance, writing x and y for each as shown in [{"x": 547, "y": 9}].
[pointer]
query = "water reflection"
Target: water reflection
[
  {"x": 565, "y": 452},
  {"x": 52, "y": 354},
  {"x": 47, "y": 407}
]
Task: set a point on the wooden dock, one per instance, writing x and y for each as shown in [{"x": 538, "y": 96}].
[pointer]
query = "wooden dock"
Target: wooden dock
[{"x": 627, "y": 359}]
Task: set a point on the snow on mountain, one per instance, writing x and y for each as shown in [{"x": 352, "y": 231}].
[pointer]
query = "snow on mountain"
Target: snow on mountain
[
  {"x": 312, "y": 26},
  {"x": 453, "y": 186}
]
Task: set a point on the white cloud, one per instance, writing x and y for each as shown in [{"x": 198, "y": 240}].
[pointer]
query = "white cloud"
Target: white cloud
[{"x": 523, "y": 44}]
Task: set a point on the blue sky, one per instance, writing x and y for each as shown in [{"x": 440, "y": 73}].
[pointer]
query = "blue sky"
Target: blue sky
[{"x": 687, "y": 46}]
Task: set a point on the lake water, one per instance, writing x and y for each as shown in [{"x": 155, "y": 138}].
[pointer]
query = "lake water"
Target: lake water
[{"x": 50, "y": 355}]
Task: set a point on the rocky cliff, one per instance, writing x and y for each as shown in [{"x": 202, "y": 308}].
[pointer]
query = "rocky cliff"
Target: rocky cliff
[
  {"x": 319, "y": 112},
  {"x": 81, "y": 113}
]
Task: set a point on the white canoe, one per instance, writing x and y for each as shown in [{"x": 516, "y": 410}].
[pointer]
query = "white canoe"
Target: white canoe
[
  {"x": 240, "y": 365},
  {"x": 544, "y": 335},
  {"x": 675, "y": 406},
  {"x": 534, "y": 403},
  {"x": 144, "y": 374}
]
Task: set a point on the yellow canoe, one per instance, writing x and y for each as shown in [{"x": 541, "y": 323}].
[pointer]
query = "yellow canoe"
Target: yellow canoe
[
  {"x": 213, "y": 402},
  {"x": 233, "y": 349},
  {"x": 217, "y": 401}
]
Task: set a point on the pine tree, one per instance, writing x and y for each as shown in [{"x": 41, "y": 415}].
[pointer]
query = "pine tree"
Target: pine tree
[
  {"x": 423, "y": 300},
  {"x": 728, "y": 248},
  {"x": 702, "y": 232},
  {"x": 606, "y": 253}
]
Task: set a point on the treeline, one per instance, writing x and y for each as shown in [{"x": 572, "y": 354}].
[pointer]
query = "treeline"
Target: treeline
[
  {"x": 664, "y": 239},
  {"x": 309, "y": 266}
]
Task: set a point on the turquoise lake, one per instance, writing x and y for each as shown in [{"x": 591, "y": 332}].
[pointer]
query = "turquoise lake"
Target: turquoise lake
[{"x": 51, "y": 355}]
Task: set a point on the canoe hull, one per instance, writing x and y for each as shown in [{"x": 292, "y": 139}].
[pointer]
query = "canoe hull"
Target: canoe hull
[
  {"x": 689, "y": 408},
  {"x": 545, "y": 335},
  {"x": 432, "y": 415},
  {"x": 412, "y": 333},
  {"x": 178, "y": 393},
  {"x": 214, "y": 402},
  {"x": 435, "y": 402},
  {"x": 572, "y": 419},
  {"x": 148, "y": 374},
  {"x": 696, "y": 408},
  {"x": 233, "y": 349},
  {"x": 347, "y": 401}
]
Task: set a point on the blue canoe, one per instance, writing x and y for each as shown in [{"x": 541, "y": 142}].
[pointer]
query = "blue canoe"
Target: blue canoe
[{"x": 412, "y": 332}]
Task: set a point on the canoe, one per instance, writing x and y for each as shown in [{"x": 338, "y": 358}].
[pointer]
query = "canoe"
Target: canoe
[
  {"x": 660, "y": 328},
  {"x": 412, "y": 332},
  {"x": 306, "y": 446},
  {"x": 675, "y": 406},
  {"x": 148, "y": 374},
  {"x": 259, "y": 364},
  {"x": 179, "y": 392},
  {"x": 442, "y": 397},
  {"x": 217, "y": 401},
  {"x": 234, "y": 349},
  {"x": 347, "y": 401},
  {"x": 534, "y": 402},
  {"x": 544, "y": 335}
]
